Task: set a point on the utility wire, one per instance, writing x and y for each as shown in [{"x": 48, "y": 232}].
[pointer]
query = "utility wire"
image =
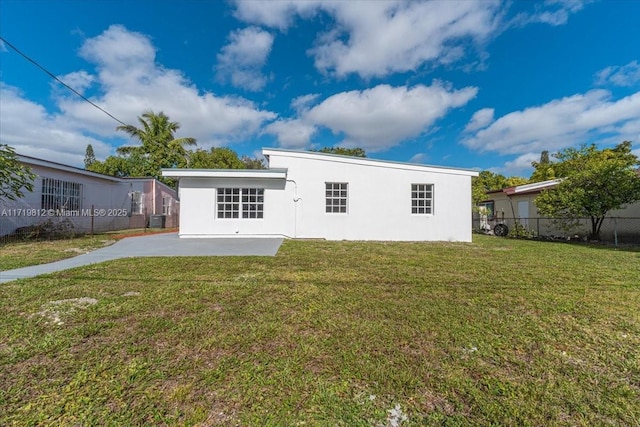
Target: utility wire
[{"x": 53, "y": 76}]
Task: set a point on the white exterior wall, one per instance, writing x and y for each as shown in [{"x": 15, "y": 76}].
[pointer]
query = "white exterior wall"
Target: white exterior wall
[
  {"x": 198, "y": 213},
  {"x": 379, "y": 201}
]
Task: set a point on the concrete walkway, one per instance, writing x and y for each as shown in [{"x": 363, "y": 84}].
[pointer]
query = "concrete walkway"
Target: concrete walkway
[{"x": 157, "y": 245}]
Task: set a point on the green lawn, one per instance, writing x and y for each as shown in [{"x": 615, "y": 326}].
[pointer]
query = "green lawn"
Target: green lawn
[
  {"x": 498, "y": 332},
  {"x": 25, "y": 253},
  {"x": 22, "y": 254}
]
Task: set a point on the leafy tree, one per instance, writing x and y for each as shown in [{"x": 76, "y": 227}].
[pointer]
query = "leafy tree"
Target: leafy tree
[
  {"x": 159, "y": 148},
  {"x": 89, "y": 156},
  {"x": 544, "y": 169},
  {"x": 250, "y": 163},
  {"x": 120, "y": 166},
  {"x": 488, "y": 181},
  {"x": 596, "y": 182},
  {"x": 14, "y": 176},
  {"x": 215, "y": 158},
  {"x": 354, "y": 152}
]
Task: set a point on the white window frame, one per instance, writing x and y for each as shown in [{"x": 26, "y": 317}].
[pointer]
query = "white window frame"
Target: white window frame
[
  {"x": 252, "y": 203},
  {"x": 240, "y": 203},
  {"x": 61, "y": 195},
  {"x": 422, "y": 199},
  {"x": 336, "y": 196}
]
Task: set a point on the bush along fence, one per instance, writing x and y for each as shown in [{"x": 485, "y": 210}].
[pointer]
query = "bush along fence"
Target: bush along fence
[
  {"x": 616, "y": 230},
  {"x": 47, "y": 224}
]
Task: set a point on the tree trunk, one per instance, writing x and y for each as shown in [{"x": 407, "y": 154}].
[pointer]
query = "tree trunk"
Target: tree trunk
[{"x": 596, "y": 223}]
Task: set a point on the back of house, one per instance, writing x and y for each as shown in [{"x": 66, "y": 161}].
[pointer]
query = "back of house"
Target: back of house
[{"x": 318, "y": 195}]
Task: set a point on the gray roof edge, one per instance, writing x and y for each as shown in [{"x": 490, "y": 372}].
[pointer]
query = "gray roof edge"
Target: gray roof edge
[{"x": 67, "y": 168}]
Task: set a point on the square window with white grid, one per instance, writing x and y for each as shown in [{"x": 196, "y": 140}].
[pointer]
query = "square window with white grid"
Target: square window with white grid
[
  {"x": 228, "y": 202},
  {"x": 422, "y": 199},
  {"x": 245, "y": 203},
  {"x": 252, "y": 202},
  {"x": 336, "y": 197}
]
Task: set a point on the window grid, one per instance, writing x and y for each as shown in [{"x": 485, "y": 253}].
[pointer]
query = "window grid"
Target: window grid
[
  {"x": 228, "y": 202},
  {"x": 336, "y": 196},
  {"x": 232, "y": 202},
  {"x": 422, "y": 199},
  {"x": 252, "y": 202},
  {"x": 61, "y": 195}
]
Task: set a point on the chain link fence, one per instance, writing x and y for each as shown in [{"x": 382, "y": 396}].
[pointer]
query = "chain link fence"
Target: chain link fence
[
  {"x": 20, "y": 224},
  {"x": 623, "y": 230}
]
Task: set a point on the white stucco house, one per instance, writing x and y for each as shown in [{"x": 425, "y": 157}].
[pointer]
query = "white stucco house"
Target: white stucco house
[
  {"x": 316, "y": 195},
  {"x": 88, "y": 200}
]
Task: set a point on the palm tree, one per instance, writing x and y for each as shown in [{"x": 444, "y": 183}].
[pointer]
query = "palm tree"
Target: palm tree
[{"x": 159, "y": 149}]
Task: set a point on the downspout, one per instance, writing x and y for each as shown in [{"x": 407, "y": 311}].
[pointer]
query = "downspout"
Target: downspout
[{"x": 296, "y": 199}]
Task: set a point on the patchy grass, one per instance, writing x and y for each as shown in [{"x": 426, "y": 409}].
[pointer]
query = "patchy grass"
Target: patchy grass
[
  {"x": 498, "y": 332},
  {"x": 23, "y": 254}
]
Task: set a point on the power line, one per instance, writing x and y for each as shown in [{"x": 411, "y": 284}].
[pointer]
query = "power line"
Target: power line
[{"x": 53, "y": 76}]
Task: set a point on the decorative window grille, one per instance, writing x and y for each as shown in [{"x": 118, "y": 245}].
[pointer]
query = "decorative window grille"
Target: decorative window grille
[{"x": 61, "y": 195}]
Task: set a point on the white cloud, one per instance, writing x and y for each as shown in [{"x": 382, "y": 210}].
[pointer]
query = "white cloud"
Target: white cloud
[
  {"x": 388, "y": 36},
  {"x": 128, "y": 82},
  {"x": 384, "y": 36},
  {"x": 480, "y": 119},
  {"x": 552, "y": 12},
  {"x": 276, "y": 13},
  {"x": 374, "y": 119},
  {"x": 241, "y": 61},
  {"x": 27, "y": 127},
  {"x": 291, "y": 133},
  {"x": 560, "y": 124},
  {"x": 625, "y": 75},
  {"x": 77, "y": 80},
  {"x": 521, "y": 165},
  {"x": 419, "y": 158},
  {"x": 303, "y": 102},
  {"x": 379, "y": 118}
]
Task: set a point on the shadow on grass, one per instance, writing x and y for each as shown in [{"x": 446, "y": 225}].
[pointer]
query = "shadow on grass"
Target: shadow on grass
[{"x": 626, "y": 247}]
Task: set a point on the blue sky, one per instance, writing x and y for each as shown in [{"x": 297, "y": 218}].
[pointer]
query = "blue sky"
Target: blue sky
[{"x": 471, "y": 84}]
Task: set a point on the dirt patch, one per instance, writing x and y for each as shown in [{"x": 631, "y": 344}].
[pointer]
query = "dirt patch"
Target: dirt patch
[
  {"x": 54, "y": 311},
  {"x": 77, "y": 250},
  {"x": 131, "y": 294},
  {"x": 142, "y": 233}
]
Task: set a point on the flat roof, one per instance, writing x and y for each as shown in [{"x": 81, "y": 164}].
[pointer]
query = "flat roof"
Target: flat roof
[
  {"x": 367, "y": 161},
  {"x": 277, "y": 173}
]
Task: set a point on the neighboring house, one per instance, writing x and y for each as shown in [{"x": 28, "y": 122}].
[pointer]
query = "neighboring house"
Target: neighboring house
[
  {"x": 317, "y": 195},
  {"x": 89, "y": 200},
  {"x": 516, "y": 204}
]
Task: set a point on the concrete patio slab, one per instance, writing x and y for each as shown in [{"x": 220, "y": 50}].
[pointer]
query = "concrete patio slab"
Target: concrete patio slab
[{"x": 157, "y": 245}]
